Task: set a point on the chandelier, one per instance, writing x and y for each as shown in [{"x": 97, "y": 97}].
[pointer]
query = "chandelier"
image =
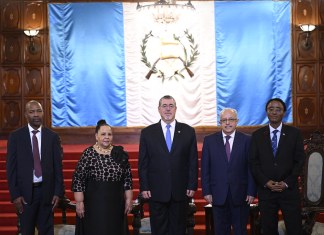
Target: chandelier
[{"x": 165, "y": 11}]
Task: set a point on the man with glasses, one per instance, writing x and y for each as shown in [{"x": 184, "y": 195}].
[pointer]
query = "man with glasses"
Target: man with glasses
[
  {"x": 276, "y": 158},
  {"x": 168, "y": 169},
  {"x": 227, "y": 183}
]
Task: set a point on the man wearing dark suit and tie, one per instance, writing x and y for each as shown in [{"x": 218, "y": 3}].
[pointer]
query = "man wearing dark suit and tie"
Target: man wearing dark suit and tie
[
  {"x": 276, "y": 158},
  {"x": 226, "y": 180},
  {"x": 34, "y": 172},
  {"x": 168, "y": 169}
]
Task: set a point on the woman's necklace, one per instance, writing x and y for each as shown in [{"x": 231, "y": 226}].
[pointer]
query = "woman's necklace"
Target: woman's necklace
[{"x": 104, "y": 150}]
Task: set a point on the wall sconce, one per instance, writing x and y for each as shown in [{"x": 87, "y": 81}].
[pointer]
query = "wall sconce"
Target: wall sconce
[
  {"x": 31, "y": 34},
  {"x": 307, "y": 28}
]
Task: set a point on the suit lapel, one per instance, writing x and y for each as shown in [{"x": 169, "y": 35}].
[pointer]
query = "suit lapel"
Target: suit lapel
[
  {"x": 267, "y": 140},
  {"x": 43, "y": 145},
  {"x": 176, "y": 136},
  {"x": 220, "y": 144},
  {"x": 27, "y": 139},
  {"x": 160, "y": 136},
  {"x": 282, "y": 139},
  {"x": 236, "y": 146}
]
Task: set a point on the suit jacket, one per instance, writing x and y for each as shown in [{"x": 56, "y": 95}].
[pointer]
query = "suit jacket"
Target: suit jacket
[
  {"x": 168, "y": 174},
  {"x": 285, "y": 166},
  {"x": 20, "y": 165},
  {"x": 218, "y": 175}
]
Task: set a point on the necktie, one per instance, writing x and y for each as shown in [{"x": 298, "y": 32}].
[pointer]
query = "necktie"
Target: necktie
[
  {"x": 37, "y": 163},
  {"x": 274, "y": 142},
  {"x": 228, "y": 147},
  {"x": 168, "y": 137}
]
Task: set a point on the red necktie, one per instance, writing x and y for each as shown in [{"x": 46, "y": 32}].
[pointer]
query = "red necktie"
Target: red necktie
[
  {"x": 37, "y": 162},
  {"x": 228, "y": 147}
]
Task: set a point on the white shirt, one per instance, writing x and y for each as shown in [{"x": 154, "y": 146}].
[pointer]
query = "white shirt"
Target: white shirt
[
  {"x": 172, "y": 128},
  {"x": 231, "y": 140},
  {"x": 278, "y": 133}
]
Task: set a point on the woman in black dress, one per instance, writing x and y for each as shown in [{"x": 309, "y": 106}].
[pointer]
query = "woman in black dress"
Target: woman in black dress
[{"x": 102, "y": 185}]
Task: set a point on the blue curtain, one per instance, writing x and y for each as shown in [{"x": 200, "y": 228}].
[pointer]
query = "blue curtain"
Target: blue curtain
[
  {"x": 253, "y": 57},
  {"x": 87, "y": 64}
]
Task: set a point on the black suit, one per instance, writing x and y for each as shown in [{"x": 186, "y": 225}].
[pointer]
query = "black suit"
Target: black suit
[
  {"x": 286, "y": 167},
  {"x": 166, "y": 174},
  {"x": 20, "y": 168}
]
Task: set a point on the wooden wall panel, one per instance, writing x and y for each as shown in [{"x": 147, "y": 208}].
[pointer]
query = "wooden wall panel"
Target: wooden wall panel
[
  {"x": 11, "y": 110},
  {"x": 305, "y": 11},
  {"x": 12, "y": 48},
  {"x": 304, "y": 52},
  {"x": 34, "y": 15},
  {"x": 10, "y": 15},
  {"x": 11, "y": 82},
  {"x": 306, "y": 111},
  {"x": 34, "y": 82},
  {"x": 306, "y": 78},
  {"x": 36, "y": 54}
]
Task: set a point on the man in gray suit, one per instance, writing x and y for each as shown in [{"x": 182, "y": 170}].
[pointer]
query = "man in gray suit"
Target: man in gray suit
[
  {"x": 168, "y": 169},
  {"x": 34, "y": 172}
]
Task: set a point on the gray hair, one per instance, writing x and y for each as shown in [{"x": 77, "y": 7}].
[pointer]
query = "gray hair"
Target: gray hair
[{"x": 228, "y": 109}]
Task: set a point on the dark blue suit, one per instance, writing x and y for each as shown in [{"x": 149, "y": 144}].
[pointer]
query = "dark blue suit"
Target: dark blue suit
[
  {"x": 20, "y": 166},
  {"x": 229, "y": 182},
  {"x": 168, "y": 175}
]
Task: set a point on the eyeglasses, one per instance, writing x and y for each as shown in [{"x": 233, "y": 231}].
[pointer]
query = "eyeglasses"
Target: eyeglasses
[
  {"x": 170, "y": 106},
  {"x": 230, "y": 120},
  {"x": 274, "y": 110}
]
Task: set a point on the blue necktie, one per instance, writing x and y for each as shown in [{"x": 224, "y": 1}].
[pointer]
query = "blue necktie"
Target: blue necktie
[
  {"x": 168, "y": 137},
  {"x": 274, "y": 142},
  {"x": 228, "y": 147}
]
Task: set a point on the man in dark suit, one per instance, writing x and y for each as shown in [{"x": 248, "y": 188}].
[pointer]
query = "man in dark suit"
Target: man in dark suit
[
  {"x": 34, "y": 172},
  {"x": 168, "y": 169},
  {"x": 226, "y": 180},
  {"x": 276, "y": 158}
]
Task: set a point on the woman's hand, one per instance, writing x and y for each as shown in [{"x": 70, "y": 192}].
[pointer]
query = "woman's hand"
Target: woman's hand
[
  {"x": 80, "y": 209},
  {"x": 128, "y": 206}
]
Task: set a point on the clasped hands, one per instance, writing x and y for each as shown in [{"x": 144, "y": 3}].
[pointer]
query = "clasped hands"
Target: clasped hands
[
  {"x": 276, "y": 186},
  {"x": 209, "y": 198}
]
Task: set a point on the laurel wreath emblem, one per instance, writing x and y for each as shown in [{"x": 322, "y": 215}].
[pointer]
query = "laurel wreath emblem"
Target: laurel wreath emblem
[{"x": 188, "y": 59}]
